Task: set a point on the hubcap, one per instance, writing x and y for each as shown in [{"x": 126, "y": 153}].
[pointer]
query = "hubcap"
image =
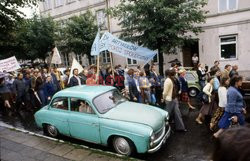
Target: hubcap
[
  {"x": 122, "y": 146},
  {"x": 52, "y": 131},
  {"x": 192, "y": 92}
]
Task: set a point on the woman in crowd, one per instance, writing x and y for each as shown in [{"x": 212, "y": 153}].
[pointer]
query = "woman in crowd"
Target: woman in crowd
[
  {"x": 91, "y": 78},
  {"x": 48, "y": 89},
  {"x": 39, "y": 88},
  {"x": 235, "y": 106},
  {"x": 222, "y": 94},
  {"x": 184, "y": 88},
  {"x": 206, "y": 106},
  {"x": 201, "y": 72},
  {"x": 145, "y": 88}
]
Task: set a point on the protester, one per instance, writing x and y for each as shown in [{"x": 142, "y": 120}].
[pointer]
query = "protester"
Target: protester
[
  {"x": 91, "y": 78},
  {"x": 39, "y": 88},
  {"x": 235, "y": 106},
  {"x": 206, "y": 105},
  {"x": 184, "y": 89},
  {"x": 201, "y": 75},
  {"x": 156, "y": 84},
  {"x": 226, "y": 71},
  {"x": 170, "y": 97},
  {"x": 222, "y": 93},
  {"x": 145, "y": 88},
  {"x": 133, "y": 89},
  {"x": 48, "y": 89},
  {"x": 234, "y": 71},
  {"x": 216, "y": 66},
  {"x": 55, "y": 79},
  {"x": 75, "y": 80},
  {"x": 19, "y": 89}
]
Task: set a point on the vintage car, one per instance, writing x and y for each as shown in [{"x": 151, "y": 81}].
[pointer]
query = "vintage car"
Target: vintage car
[
  {"x": 101, "y": 115},
  {"x": 193, "y": 83}
]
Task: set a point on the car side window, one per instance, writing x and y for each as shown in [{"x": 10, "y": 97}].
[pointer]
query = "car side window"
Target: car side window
[
  {"x": 79, "y": 105},
  {"x": 190, "y": 77},
  {"x": 60, "y": 103}
]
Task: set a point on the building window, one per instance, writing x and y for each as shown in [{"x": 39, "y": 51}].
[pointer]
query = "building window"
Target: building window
[
  {"x": 58, "y": 3},
  {"x": 227, "y": 5},
  {"x": 93, "y": 59},
  {"x": 47, "y": 4},
  {"x": 228, "y": 47},
  {"x": 105, "y": 57},
  {"x": 101, "y": 19},
  {"x": 132, "y": 61}
]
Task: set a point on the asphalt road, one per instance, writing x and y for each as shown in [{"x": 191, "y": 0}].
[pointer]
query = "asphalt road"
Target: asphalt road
[{"x": 194, "y": 145}]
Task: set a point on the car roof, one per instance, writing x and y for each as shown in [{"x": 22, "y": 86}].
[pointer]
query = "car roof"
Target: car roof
[{"x": 84, "y": 91}]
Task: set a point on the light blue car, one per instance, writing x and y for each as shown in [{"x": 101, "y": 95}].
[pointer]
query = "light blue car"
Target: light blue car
[{"x": 101, "y": 115}]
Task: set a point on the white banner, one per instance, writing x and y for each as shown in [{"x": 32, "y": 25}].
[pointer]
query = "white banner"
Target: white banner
[
  {"x": 125, "y": 49},
  {"x": 9, "y": 64},
  {"x": 95, "y": 45},
  {"x": 56, "y": 58}
]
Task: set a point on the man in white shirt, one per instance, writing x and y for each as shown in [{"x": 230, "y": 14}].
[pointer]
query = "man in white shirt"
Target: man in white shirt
[{"x": 195, "y": 60}]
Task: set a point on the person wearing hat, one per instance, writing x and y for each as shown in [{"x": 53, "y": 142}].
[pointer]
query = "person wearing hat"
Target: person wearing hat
[{"x": 184, "y": 88}]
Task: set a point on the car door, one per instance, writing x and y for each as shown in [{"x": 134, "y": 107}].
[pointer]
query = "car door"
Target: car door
[
  {"x": 59, "y": 113},
  {"x": 83, "y": 122}
]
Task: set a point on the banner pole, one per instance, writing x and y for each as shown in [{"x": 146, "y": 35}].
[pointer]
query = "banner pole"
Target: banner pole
[
  {"x": 98, "y": 69},
  {"x": 110, "y": 53}
]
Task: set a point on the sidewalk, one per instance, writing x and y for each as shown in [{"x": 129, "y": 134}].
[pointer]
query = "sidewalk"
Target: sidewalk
[{"x": 19, "y": 146}]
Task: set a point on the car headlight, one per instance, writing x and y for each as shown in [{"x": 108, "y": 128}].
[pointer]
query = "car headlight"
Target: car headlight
[
  {"x": 166, "y": 117},
  {"x": 152, "y": 136}
]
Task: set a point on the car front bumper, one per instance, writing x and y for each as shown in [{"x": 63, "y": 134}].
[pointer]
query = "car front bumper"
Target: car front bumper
[{"x": 163, "y": 141}]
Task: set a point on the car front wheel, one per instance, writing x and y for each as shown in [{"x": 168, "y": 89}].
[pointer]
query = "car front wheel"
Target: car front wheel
[
  {"x": 51, "y": 131},
  {"x": 123, "y": 146},
  {"x": 193, "y": 92}
]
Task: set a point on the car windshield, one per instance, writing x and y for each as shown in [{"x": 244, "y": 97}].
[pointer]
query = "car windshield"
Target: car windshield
[{"x": 108, "y": 100}]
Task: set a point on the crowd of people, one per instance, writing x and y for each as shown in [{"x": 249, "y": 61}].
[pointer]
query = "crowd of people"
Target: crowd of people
[{"x": 222, "y": 98}]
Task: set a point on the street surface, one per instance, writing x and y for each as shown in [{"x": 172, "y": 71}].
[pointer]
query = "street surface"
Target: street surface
[{"x": 194, "y": 145}]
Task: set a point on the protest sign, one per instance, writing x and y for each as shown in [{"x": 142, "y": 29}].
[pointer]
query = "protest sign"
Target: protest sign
[
  {"x": 9, "y": 64},
  {"x": 56, "y": 58},
  {"x": 95, "y": 46},
  {"x": 125, "y": 49}
]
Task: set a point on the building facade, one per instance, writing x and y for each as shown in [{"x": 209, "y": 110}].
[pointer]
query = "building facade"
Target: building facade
[{"x": 225, "y": 38}]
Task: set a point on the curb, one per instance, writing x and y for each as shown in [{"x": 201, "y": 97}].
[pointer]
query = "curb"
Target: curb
[{"x": 61, "y": 141}]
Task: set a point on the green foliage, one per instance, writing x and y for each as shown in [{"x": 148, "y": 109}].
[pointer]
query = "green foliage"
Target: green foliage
[
  {"x": 79, "y": 34},
  {"x": 10, "y": 17},
  {"x": 36, "y": 37},
  {"x": 159, "y": 24}
]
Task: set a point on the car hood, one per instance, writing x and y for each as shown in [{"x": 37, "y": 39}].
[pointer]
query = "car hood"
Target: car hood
[{"x": 137, "y": 113}]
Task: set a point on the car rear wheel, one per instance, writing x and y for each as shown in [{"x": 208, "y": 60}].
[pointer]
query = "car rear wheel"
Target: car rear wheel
[
  {"x": 51, "y": 131},
  {"x": 123, "y": 146},
  {"x": 193, "y": 92}
]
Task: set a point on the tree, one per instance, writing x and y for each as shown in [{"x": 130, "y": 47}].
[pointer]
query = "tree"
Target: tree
[
  {"x": 79, "y": 34},
  {"x": 10, "y": 17},
  {"x": 159, "y": 24},
  {"x": 36, "y": 37}
]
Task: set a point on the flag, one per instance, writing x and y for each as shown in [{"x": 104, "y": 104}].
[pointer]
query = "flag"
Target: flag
[
  {"x": 95, "y": 46},
  {"x": 75, "y": 65},
  {"x": 56, "y": 58}
]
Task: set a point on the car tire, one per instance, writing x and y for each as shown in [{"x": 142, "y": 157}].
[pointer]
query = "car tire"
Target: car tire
[
  {"x": 51, "y": 131},
  {"x": 123, "y": 146},
  {"x": 193, "y": 92}
]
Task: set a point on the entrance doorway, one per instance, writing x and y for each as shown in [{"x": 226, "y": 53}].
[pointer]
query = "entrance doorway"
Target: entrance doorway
[{"x": 188, "y": 50}]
